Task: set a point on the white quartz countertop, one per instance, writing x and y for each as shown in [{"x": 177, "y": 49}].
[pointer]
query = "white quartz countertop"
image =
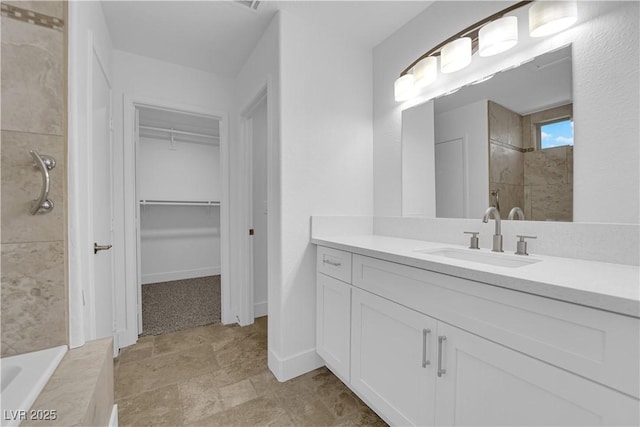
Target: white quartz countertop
[{"x": 606, "y": 286}]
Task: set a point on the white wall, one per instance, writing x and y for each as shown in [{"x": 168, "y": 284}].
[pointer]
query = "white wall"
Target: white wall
[
  {"x": 326, "y": 155},
  {"x": 88, "y": 32},
  {"x": 142, "y": 79},
  {"x": 606, "y": 106},
  {"x": 260, "y": 73}
]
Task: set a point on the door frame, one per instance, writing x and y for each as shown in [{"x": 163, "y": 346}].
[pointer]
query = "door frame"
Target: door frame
[
  {"x": 81, "y": 305},
  {"x": 132, "y": 283},
  {"x": 246, "y": 297}
]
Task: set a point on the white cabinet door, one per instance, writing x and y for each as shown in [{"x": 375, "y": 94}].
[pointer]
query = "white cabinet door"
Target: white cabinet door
[
  {"x": 392, "y": 359},
  {"x": 333, "y": 323},
  {"x": 488, "y": 384}
]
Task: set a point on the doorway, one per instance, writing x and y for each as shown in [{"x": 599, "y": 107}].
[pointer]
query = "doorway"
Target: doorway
[
  {"x": 178, "y": 187},
  {"x": 258, "y": 154}
]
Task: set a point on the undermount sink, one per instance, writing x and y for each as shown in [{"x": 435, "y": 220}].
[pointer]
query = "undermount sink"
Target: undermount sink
[{"x": 500, "y": 260}]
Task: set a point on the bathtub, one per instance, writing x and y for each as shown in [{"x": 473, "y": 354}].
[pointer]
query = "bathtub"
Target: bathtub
[{"x": 23, "y": 378}]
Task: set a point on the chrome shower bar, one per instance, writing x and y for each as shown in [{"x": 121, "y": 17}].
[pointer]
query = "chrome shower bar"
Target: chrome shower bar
[{"x": 43, "y": 204}]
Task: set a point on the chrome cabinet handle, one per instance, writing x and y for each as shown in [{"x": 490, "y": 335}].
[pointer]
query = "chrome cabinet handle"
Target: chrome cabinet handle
[
  {"x": 441, "y": 370},
  {"x": 97, "y": 247},
  {"x": 333, "y": 263},
  {"x": 42, "y": 204},
  {"x": 425, "y": 361}
]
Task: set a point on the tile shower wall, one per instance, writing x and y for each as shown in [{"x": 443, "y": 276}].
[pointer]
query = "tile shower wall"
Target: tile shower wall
[
  {"x": 33, "y": 80},
  {"x": 548, "y": 174},
  {"x": 506, "y": 160}
]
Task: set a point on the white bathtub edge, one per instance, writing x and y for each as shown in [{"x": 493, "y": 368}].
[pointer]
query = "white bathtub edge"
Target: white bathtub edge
[{"x": 23, "y": 391}]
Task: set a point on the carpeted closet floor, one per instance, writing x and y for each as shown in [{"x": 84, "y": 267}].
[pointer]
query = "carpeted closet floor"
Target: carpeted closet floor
[{"x": 180, "y": 304}]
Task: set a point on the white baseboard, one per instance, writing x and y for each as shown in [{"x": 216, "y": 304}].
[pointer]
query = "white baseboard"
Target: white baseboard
[
  {"x": 293, "y": 366},
  {"x": 113, "y": 420},
  {"x": 179, "y": 275},
  {"x": 260, "y": 309}
]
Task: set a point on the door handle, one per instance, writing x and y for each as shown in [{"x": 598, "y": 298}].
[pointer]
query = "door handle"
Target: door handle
[{"x": 97, "y": 247}]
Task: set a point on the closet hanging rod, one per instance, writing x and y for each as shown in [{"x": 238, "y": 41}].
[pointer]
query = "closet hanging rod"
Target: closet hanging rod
[
  {"x": 179, "y": 132},
  {"x": 180, "y": 202}
]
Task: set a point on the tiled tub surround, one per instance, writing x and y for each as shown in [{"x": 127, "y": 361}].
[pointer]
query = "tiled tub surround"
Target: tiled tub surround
[
  {"x": 33, "y": 84},
  {"x": 80, "y": 390}
]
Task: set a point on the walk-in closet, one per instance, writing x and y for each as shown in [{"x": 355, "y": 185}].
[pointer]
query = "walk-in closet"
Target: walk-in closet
[{"x": 178, "y": 193}]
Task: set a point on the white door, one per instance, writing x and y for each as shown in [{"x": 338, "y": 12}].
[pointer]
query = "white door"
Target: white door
[
  {"x": 102, "y": 211},
  {"x": 486, "y": 384},
  {"x": 258, "y": 120},
  {"x": 450, "y": 179},
  {"x": 392, "y": 359}
]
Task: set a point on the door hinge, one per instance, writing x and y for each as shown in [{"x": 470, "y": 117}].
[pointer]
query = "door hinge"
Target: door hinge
[{"x": 251, "y": 232}]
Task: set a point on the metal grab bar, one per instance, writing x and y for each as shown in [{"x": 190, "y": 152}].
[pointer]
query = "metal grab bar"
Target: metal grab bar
[{"x": 42, "y": 204}]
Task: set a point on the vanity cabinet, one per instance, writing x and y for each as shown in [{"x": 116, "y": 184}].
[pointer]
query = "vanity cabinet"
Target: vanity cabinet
[
  {"x": 333, "y": 310},
  {"x": 487, "y": 384},
  {"x": 392, "y": 364},
  {"x": 431, "y": 349}
]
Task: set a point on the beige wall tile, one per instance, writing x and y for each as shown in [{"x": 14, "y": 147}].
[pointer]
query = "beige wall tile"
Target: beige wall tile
[
  {"x": 506, "y": 165},
  {"x": 546, "y": 167},
  {"x": 33, "y": 297},
  {"x": 569, "y": 164},
  {"x": 22, "y": 183},
  {"x": 32, "y": 78},
  {"x": 49, "y": 8},
  {"x": 510, "y": 197},
  {"x": 552, "y": 202},
  {"x": 505, "y": 126}
]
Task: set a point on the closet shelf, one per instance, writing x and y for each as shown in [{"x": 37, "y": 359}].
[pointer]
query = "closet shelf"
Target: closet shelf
[
  {"x": 164, "y": 233},
  {"x": 180, "y": 202}
]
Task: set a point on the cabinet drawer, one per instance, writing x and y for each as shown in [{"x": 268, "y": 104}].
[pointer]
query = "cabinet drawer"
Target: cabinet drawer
[
  {"x": 598, "y": 345},
  {"x": 334, "y": 263}
]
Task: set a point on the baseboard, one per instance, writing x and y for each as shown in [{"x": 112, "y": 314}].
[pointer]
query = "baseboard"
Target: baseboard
[
  {"x": 113, "y": 420},
  {"x": 260, "y": 309},
  {"x": 291, "y": 367},
  {"x": 179, "y": 275}
]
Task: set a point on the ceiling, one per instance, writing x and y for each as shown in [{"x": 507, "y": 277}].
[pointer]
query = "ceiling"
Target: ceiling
[{"x": 218, "y": 36}]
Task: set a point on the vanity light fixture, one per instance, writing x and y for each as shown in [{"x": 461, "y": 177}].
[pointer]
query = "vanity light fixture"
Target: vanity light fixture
[
  {"x": 404, "y": 87},
  {"x": 426, "y": 71},
  {"x": 498, "y": 36},
  {"x": 490, "y": 36},
  {"x": 455, "y": 55},
  {"x": 550, "y": 17}
]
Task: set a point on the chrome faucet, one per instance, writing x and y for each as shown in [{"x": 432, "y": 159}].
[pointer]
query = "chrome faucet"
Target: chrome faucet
[
  {"x": 497, "y": 238},
  {"x": 516, "y": 212}
]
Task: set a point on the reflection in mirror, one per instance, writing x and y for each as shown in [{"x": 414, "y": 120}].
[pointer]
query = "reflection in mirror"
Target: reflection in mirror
[{"x": 508, "y": 142}]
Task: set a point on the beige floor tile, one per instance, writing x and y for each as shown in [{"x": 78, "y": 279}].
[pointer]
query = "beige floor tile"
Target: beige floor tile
[
  {"x": 135, "y": 353},
  {"x": 219, "y": 375},
  {"x": 160, "y": 407},
  {"x": 257, "y": 412},
  {"x": 237, "y": 393},
  {"x": 154, "y": 372},
  {"x": 200, "y": 398},
  {"x": 183, "y": 340},
  {"x": 243, "y": 349}
]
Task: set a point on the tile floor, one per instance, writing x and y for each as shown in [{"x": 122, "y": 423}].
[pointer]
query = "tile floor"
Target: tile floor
[{"x": 217, "y": 376}]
